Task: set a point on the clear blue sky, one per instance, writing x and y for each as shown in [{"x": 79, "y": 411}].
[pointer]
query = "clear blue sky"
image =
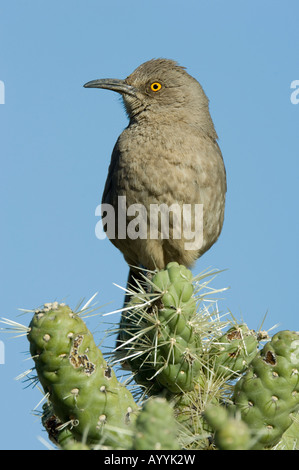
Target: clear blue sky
[{"x": 56, "y": 139}]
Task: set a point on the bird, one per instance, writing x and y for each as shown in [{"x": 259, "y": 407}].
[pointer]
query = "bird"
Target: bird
[{"x": 167, "y": 157}]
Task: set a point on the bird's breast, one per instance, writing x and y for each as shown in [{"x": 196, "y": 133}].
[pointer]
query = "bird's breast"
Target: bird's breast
[{"x": 162, "y": 159}]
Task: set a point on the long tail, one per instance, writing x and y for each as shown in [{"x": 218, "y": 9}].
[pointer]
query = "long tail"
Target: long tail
[{"x": 135, "y": 280}]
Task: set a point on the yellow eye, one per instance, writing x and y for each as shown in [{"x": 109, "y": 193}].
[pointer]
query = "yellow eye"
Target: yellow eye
[{"x": 156, "y": 86}]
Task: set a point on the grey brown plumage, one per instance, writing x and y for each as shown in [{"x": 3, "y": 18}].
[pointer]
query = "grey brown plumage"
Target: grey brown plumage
[{"x": 167, "y": 154}]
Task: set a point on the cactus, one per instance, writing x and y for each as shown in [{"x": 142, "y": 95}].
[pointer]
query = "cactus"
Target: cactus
[
  {"x": 82, "y": 388},
  {"x": 265, "y": 401},
  {"x": 231, "y": 433},
  {"x": 200, "y": 382},
  {"x": 290, "y": 438},
  {"x": 160, "y": 342},
  {"x": 234, "y": 351},
  {"x": 156, "y": 428},
  {"x": 267, "y": 394},
  {"x": 59, "y": 434}
]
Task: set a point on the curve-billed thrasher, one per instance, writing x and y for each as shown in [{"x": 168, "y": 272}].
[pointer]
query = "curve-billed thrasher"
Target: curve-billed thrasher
[{"x": 168, "y": 154}]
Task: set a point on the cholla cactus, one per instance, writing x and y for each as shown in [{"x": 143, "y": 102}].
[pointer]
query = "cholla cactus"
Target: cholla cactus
[
  {"x": 204, "y": 383},
  {"x": 268, "y": 393},
  {"x": 160, "y": 339},
  {"x": 264, "y": 413},
  {"x": 156, "y": 428},
  {"x": 84, "y": 392}
]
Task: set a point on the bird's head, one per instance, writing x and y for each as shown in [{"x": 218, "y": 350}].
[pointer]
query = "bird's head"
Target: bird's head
[{"x": 160, "y": 89}]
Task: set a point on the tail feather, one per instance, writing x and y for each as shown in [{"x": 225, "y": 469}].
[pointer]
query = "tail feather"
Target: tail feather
[{"x": 135, "y": 280}]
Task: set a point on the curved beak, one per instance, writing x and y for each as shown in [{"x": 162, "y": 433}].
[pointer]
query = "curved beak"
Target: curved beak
[{"x": 114, "y": 84}]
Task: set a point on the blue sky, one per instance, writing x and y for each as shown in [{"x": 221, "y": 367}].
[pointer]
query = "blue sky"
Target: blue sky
[{"x": 56, "y": 140}]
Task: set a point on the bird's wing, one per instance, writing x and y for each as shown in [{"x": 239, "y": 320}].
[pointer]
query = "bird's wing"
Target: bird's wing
[{"x": 108, "y": 189}]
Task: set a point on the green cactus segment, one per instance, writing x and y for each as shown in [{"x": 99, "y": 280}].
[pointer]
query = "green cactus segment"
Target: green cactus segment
[
  {"x": 231, "y": 354},
  {"x": 268, "y": 393},
  {"x": 58, "y": 434},
  {"x": 82, "y": 388},
  {"x": 290, "y": 438},
  {"x": 167, "y": 342},
  {"x": 155, "y": 427},
  {"x": 231, "y": 433}
]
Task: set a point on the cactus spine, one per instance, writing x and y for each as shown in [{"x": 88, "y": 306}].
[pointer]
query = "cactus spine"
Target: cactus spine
[
  {"x": 267, "y": 394},
  {"x": 160, "y": 342},
  {"x": 233, "y": 352},
  {"x": 85, "y": 395},
  {"x": 156, "y": 428},
  {"x": 203, "y": 383}
]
